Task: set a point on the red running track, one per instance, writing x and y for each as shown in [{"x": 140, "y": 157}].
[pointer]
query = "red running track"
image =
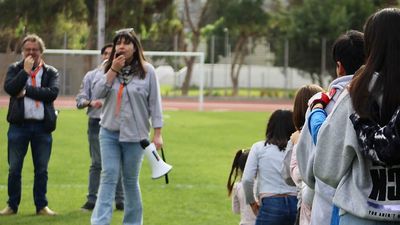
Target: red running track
[{"x": 193, "y": 105}]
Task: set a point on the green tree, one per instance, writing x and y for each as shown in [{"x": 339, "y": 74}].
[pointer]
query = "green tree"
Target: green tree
[
  {"x": 306, "y": 23},
  {"x": 244, "y": 19},
  {"x": 43, "y": 17},
  {"x": 155, "y": 21},
  {"x": 195, "y": 27}
]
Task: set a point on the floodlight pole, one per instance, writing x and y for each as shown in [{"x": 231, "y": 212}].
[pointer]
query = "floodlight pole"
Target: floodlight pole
[
  {"x": 226, "y": 31},
  {"x": 101, "y": 21},
  {"x": 201, "y": 88}
]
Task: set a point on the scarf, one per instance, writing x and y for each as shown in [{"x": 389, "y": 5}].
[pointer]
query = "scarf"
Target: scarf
[{"x": 125, "y": 76}]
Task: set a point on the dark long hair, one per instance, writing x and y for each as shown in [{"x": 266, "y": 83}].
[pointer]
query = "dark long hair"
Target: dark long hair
[
  {"x": 138, "y": 56},
  {"x": 237, "y": 169},
  {"x": 280, "y": 127},
  {"x": 382, "y": 47},
  {"x": 300, "y": 105}
]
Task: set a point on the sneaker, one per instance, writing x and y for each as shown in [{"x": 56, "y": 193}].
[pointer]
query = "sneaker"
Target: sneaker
[
  {"x": 7, "y": 211},
  {"x": 119, "y": 206},
  {"x": 46, "y": 211},
  {"x": 88, "y": 206}
]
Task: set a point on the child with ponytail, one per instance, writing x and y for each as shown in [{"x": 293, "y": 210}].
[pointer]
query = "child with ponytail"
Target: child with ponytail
[{"x": 235, "y": 189}]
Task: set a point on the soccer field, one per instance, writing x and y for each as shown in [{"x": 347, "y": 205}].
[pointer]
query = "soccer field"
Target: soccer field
[{"x": 199, "y": 145}]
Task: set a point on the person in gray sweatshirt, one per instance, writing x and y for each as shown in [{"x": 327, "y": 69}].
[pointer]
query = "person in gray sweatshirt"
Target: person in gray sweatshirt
[
  {"x": 348, "y": 55},
  {"x": 366, "y": 192},
  {"x": 131, "y": 101}
]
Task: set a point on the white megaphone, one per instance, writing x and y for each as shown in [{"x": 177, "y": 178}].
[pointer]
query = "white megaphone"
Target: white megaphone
[{"x": 159, "y": 168}]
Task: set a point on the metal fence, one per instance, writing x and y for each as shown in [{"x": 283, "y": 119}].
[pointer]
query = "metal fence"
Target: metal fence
[{"x": 257, "y": 71}]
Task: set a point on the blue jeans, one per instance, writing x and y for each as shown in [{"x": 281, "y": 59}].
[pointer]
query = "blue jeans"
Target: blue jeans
[
  {"x": 95, "y": 166},
  {"x": 117, "y": 155},
  {"x": 19, "y": 137},
  {"x": 349, "y": 219},
  {"x": 277, "y": 211}
]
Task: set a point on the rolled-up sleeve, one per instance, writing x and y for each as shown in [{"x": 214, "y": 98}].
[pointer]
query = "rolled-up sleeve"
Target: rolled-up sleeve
[
  {"x": 249, "y": 175},
  {"x": 100, "y": 86},
  {"x": 155, "y": 106},
  {"x": 84, "y": 91}
]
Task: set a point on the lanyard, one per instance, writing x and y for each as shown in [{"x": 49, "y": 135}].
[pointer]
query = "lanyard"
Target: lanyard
[
  {"x": 119, "y": 99},
  {"x": 33, "y": 77}
]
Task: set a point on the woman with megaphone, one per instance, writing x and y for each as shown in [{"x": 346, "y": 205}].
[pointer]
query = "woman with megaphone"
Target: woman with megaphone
[{"x": 132, "y": 98}]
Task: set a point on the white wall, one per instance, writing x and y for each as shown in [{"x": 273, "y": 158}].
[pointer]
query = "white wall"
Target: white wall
[{"x": 254, "y": 76}]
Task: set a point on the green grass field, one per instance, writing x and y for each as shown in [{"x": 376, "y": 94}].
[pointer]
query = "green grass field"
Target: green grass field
[
  {"x": 200, "y": 146},
  {"x": 276, "y": 93}
]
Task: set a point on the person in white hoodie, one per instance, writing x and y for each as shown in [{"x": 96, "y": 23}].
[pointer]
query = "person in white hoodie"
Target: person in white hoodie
[
  {"x": 366, "y": 192},
  {"x": 277, "y": 200}
]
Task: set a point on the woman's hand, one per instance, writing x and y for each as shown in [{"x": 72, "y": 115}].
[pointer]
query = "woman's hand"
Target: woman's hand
[
  {"x": 255, "y": 208},
  {"x": 295, "y": 137},
  {"x": 118, "y": 63},
  {"x": 157, "y": 138},
  {"x": 116, "y": 66}
]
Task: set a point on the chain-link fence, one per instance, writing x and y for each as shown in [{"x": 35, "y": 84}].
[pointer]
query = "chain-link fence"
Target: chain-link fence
[{"x": 256, "y": 77}]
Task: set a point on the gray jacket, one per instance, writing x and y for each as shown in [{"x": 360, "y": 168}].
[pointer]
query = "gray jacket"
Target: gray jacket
[
  {"x": 85, "y": 93},
  {"x": 362, "y": 189},
  {"x": 322, "y": 204},
  {"x": 141, "y": 102},
  {"x": 305, "y": 145}
]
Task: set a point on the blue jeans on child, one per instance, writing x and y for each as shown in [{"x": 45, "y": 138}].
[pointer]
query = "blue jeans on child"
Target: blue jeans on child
[
  {"x": 277, "y": 211},
  {"x": 116, "y": 155}
]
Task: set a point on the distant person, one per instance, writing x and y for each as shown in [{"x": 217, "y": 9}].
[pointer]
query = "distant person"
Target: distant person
[
  {"x": 33, "y": 86},
  {"x": 85, "y": 99},
  {"x": 132, "y": 99},
  {"x": 235, "y": 189},
  {"x": 277, "y": 202},
  {"x": 348, "y": 55},
  {"x": 366, "y": 190}
]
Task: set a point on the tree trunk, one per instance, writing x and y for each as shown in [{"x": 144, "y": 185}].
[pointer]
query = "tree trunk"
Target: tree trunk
[
  {"x": 237, "y": 64},
  {"x": 195, "y": 43},
  {"x": 189, "y": 64},
  {"x": 188, "y": 77}
]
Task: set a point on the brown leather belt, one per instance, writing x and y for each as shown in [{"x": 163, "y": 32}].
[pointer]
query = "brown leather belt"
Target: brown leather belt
[{"x": 280, "y": 195}]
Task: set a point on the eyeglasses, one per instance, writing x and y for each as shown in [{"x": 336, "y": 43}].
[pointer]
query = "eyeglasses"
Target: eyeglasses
[
  {"x": 31, "y": 49},
  {"x": 124, "y": 30}
]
